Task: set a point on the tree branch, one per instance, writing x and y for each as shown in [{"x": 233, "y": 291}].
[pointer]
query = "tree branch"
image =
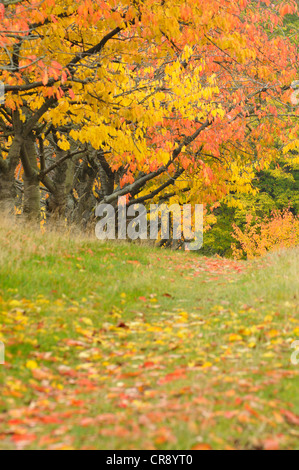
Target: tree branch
[
  {"x": 59, "y": 162},
  {"x": 36, "y": 117},
  {"x": 154, "y": 193},
  {"x": 93, "y": 50},
  {"x": 139, "y": 183}
]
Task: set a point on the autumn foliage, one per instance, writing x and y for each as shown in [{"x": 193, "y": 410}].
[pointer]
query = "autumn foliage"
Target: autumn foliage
[
  {"x": 103, "y": 99},
  {"x": 261, "y": 235}
]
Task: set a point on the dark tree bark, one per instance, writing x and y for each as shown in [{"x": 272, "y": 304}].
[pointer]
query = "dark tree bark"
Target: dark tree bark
[
  {"x": 60, "y": 202},
  {"x": 31, "y": 204},
  {"x": 84, "y": 183},
  {"x": 7, "y": 179}
]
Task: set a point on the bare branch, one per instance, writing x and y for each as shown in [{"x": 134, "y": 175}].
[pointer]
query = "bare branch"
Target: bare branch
[
  {"x": 59, "y": 162},
  {"x": 154, "y": 193}
]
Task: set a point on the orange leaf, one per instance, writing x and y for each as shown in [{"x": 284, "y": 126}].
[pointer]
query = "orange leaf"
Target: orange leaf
[
  {"x": 202, "y": 447},
  {"x": 45, "y": 78}
]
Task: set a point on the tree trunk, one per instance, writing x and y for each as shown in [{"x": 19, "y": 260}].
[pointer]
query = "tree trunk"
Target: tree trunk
[
  {"x": 7, "y": 179},
  {"x": 7, "y": 193},
  {"x": 31, "y": 204},
  {"x": 63, "y": 177},
  {"x": 87, "y": 201}
]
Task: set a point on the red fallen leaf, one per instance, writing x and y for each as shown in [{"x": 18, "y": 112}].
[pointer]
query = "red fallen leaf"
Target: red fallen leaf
[
  {"x": 64, "y": 370},
  {"x": 176, "y": 375},
  {"x": 86, "y": 383},
  {"x": 50, "y": 420},
  {"x": 122, "y": 405},
  {"x": 72, "y": 342},
  {"x": 85, "y": 422},
  {"x": 68, "y": 414},
  {"x": 164, "y": 435},
  {"x": 290, "y": 417},
  {"x": 15, "y": 422},
  {"x": 38, "y": 388},
  {"x": 133, "y": 262},
  {"x": 40, "y": 374},
  {"x": 108, "y": 418},
  {"x": 251, "y": 410},
  {"x": 229, "y": 414},
  {"x": 148, "y": 364},
  {"x": 122, "y": 325},
  {"x": 47, "y": 440},
  {"x": 167, "y": 295},
  {"x": 130, "y": 374},
  {"x": 202, "y": 447},
  {"x": 143, "y": 299},
  {"x": 271, "y": 444},
  {"x": 77, "y": 402},
  {"x": 23, "y": 439},
  {"x": 123, "y": 396}
]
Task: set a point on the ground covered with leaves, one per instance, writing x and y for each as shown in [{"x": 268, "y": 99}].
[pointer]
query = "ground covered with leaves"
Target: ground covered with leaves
[{"x": 116, "y": 346}]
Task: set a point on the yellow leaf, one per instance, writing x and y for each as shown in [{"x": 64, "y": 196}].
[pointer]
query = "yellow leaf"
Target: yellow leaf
[
  {"x": 15, "y": 303},
  {"x": 234, "y": 337},
  {"x": 31, "y": 365},
  {"x": 64, "y": 145},
  {"x": 206, "y": 365}
]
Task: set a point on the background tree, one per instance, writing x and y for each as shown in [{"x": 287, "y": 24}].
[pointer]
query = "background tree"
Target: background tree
[{"x": 143, "y": 99}]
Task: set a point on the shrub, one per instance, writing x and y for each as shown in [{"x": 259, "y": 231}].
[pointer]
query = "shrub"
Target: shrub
[{"x": 260, "y": 235}]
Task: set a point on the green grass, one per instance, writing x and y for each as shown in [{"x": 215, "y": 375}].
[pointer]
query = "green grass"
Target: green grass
[{"x": 122, "y": 346}]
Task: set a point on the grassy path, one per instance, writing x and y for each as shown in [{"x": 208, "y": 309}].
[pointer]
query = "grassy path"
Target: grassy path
[{"x": 125, "y": 347}]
